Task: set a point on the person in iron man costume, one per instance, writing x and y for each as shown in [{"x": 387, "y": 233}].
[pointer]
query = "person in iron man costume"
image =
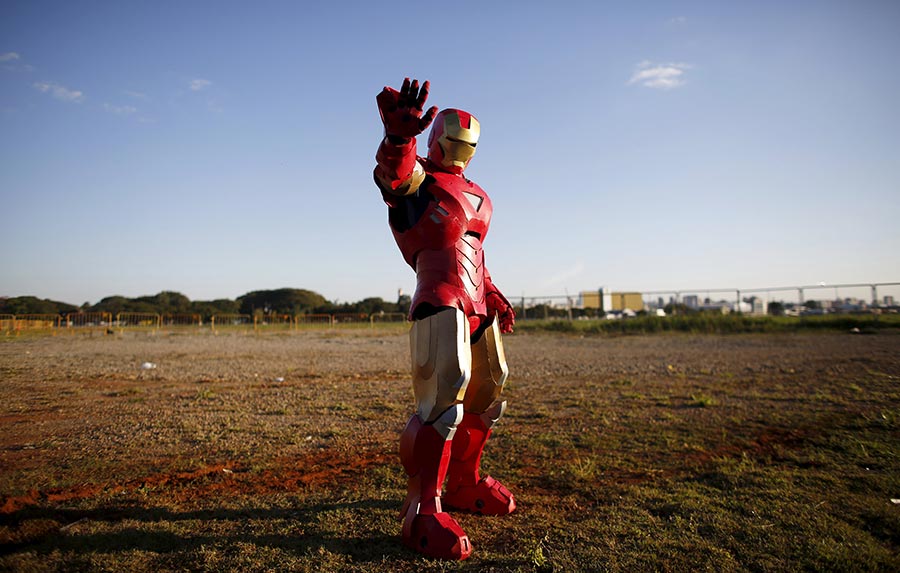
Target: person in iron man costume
[{"x": 439, "y": 220}]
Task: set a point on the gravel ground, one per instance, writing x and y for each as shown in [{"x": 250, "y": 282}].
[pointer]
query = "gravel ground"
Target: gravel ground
[
  {"x": 79, "y": 409},
  {"x": 278, "y": 452}
]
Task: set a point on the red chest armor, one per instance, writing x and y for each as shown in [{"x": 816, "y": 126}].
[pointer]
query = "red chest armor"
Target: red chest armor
[{"x": 439, "y": 231}]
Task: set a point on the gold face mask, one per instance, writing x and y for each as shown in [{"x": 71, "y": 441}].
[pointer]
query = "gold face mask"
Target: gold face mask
[{"x": 457, "y": 143}]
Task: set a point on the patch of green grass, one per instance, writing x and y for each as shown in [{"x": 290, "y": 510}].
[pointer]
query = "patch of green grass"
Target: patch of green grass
[
  {"x": 206, "y": 394},
  {"x": 702, "y": 400},
  {"x": 710, "y": 323}
]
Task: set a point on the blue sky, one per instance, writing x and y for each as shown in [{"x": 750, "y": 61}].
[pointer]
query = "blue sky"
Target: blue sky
[{"x": 218, "y": 148}]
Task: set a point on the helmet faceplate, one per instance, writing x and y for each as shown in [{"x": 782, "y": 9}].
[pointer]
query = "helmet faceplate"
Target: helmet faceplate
[{"x": 452, "y": 141}]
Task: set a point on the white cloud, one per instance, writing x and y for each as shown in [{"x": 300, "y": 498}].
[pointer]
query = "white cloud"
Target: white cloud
[
  {"x": 120, "y": 109},
  {"x": 659, "y": 76},
  {"x": 136, "y": 95},
  {"x": 678, "y": 20},
  {"x": 13, "y": 62},
  {"x": 199, "y": 84},
  {"x": 59, "y": 92}
]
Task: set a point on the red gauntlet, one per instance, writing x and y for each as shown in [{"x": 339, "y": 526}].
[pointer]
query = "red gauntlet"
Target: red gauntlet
[
  {"x": 401, "y": 112},
  {"x": 497, "y": 304}
]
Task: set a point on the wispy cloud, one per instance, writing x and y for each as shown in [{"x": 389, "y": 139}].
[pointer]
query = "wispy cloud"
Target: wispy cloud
[
  {"x": 136, "y": 95},
  {"x": 677, "y": 20},
  {"x": 13, "y": 62},
  {"x": 120, "y": 109},
  {"x": 61, "y": 93},
  {"x": 560, "y": 278},
  {"x": 199, "y": 84},
  {"x": 659, "y": 76}
]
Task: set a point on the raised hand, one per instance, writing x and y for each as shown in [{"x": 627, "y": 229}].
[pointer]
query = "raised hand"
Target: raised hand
[{"x": 401, "y": 112}]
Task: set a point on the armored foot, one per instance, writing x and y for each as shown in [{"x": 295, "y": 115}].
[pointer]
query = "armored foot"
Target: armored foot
[{"x": 487, "y": 497}]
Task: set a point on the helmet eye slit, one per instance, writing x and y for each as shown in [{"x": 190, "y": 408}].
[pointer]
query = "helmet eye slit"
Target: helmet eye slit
[{"x": 455, "y": 140}]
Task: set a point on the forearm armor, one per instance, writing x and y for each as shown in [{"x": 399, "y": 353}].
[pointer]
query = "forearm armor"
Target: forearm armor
[{"x": 398, "y": 171}]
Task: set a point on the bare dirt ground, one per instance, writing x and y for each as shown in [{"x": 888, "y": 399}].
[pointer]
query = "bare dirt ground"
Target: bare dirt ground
[{"x": 278, "y": 452}]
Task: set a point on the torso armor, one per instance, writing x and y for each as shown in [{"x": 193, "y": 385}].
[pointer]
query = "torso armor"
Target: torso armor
[{"x": 439, "y": 230}]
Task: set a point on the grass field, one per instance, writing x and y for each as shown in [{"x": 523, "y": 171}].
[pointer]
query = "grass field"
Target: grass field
[{"x": 670, "y": 452}]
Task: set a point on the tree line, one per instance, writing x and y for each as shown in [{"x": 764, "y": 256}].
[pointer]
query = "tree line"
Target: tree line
[{"x": 289, "y": 301}]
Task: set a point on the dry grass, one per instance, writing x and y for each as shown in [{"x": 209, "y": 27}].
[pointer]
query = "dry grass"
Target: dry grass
[{"x": 257, "y": 453}]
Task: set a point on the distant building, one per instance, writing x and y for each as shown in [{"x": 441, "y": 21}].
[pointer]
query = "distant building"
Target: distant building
[
  {"x": 590, "y": 299},
  {"x": 851, "y": 304},
  {"x": 888, "y": 300},
  {"x": 720, "y": 307},
  {"x": 612, "y": 301},
  {"x": 629, "y": 300},
  {"x": 691, "y": 301},
  {"x": 759, "y": 306}
]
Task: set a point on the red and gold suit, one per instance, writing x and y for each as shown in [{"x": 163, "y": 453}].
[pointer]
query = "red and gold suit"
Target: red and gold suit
[{"x": 440, "y": 220}]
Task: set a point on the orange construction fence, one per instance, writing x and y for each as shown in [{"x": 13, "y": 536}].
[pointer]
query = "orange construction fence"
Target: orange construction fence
[
  {"x": 13, "y": 323},
  {"x": 181, "y": 320},
  {"x": 137, "y": 320}
]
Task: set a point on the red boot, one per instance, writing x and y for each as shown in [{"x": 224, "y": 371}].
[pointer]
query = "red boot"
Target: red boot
[
  {"x": 425, "y": 452},
  {"x": 466, "y": 490}
]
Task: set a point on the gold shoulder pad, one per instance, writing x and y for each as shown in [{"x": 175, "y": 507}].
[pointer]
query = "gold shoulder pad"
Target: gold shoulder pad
[{"x": 408, "y": 187}]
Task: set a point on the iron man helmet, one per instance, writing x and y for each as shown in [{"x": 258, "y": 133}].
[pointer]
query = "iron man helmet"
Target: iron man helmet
[{"x": 451, "y": 143}]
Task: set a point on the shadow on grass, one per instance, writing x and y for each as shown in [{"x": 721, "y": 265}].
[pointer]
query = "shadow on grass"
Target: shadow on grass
[{"x": 47, "y": 530}]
